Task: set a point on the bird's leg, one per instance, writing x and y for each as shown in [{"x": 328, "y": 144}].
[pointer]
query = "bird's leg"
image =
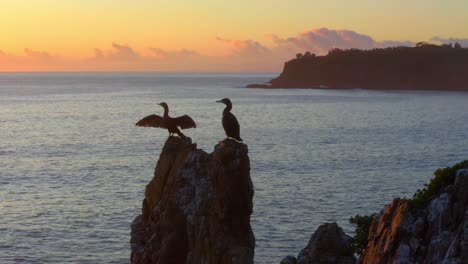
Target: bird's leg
[{"x": 180, "y": 134}]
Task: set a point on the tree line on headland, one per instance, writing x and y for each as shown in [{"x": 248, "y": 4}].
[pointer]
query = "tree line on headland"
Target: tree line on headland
[{"x": 423, "y": 67}]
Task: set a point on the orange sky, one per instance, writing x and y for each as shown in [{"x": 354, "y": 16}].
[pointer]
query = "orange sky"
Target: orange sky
[{"x": 148, "y": 35}]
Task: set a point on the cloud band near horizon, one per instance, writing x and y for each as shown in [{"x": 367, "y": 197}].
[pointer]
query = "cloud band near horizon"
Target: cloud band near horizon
[{"x": 244, "y": 56}]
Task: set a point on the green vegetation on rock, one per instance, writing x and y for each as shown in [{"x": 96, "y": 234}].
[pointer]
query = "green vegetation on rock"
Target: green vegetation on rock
[
  {"x": 359, "y": 240},
  {"x": 443, "y": 177}
]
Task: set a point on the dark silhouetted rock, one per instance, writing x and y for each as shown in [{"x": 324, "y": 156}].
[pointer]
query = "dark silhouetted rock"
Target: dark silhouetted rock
[
  {"x": 330, "y": 245},
  {"x": 197, "y": 207},
  {"x": 424, "y": 67},
  {"x": 464, "y": 243},
  {"x": 289, "y": 260}
]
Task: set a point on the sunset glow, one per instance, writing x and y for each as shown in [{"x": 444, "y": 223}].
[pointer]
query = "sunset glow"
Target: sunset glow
[{"x": 143, "y": 35}]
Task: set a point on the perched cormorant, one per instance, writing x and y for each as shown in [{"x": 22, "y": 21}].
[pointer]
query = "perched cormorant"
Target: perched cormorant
[
  {"x": 230, "y": 123},
  {"x": 170, "y": 123}
]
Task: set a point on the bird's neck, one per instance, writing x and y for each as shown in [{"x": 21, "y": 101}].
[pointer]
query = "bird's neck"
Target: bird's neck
[
  {"x": 227, "y": 109},
  {"x": 166, "y": 112}
]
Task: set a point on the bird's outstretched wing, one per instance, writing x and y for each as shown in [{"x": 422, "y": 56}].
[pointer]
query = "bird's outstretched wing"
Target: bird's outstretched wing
[
  {"x": 185, "y": 122},
  {"x": 151, "y": 121}
]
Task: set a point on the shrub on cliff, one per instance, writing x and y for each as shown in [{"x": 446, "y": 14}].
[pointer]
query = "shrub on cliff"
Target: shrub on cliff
[
  {"x": 359, "y": 240},
  {"x": 443, "y": 177}
]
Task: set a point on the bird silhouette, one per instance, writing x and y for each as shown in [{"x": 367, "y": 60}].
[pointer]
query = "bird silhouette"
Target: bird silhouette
[
  {"x": 230, "y": 123},
  {"x": 172, "y": 124}
]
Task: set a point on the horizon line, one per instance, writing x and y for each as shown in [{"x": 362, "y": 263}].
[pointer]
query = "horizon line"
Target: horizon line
[{"x": 178, "y": 72}]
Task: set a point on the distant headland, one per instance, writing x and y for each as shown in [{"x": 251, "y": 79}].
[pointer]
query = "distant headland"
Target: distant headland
[{"x": 423, "y": 67}]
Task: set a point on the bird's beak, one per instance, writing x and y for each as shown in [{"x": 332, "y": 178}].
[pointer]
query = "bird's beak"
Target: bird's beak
[
  {"x": 218, "y": 101},
  {"x": 160, "y": 104}
]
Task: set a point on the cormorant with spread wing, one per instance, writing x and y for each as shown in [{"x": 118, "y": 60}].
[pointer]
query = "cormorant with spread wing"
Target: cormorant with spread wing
[
  {"x": 172, "y": 124},
  {"x": 230, "y": 123}
]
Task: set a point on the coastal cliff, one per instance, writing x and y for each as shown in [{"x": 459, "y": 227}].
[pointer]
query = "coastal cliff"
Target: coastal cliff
[
  {"x": 405, "y": 232},
  {"x": 431, "y": 228},
  {"x": 197, "y": 207},
  {"x": 424, "y": 67}
]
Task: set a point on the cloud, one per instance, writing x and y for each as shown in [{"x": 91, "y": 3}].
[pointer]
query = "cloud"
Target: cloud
[
  {"x": 218, "y": 38},
  {"x": 249, "y": 48},
  {"x": 246, "y": 47},
  {"x": 37, "y": 54},
  {"x": 247, "y": 55},
  {"x": 122, "y": 57},
  {"x": 321, "y": 40},
  {"x": 98, "y": 53},
  {"x": 119, "y": 52},
  {"x": 462, "y": 41},
  {"x": 162, "y": 53},
  {"x": 123, "y": 52},
  {"x": 244, "y": 54},
  {"x": 33, "y": 60},
  {"x": 254, "y": 55}
]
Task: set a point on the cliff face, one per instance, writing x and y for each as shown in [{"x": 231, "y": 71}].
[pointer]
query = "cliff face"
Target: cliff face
[
  {"x": 433, "y": 230},
  {"x": 197, "y": 207},
  {"x": 438, "y": 233},
  {"x": 426, "y": 67}
]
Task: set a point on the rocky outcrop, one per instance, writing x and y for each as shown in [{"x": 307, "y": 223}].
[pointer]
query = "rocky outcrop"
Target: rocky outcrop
[
  {"x": 289, "y": 260},
  {"x": 197, "y": 207},
  {"x": 424, "y": 67},
  {"x": 437, "y": 233},
  {"x": 432, "y": 230},
  {"x": 328, "y": 245},
  {"x": 386, "y": 233}
]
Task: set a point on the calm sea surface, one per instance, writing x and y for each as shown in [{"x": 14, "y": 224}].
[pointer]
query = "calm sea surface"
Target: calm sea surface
[{"x": 73, "y": 167}]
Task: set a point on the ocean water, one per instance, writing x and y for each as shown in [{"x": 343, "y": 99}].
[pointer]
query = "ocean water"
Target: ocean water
[{"x": 73, "y": 167}]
